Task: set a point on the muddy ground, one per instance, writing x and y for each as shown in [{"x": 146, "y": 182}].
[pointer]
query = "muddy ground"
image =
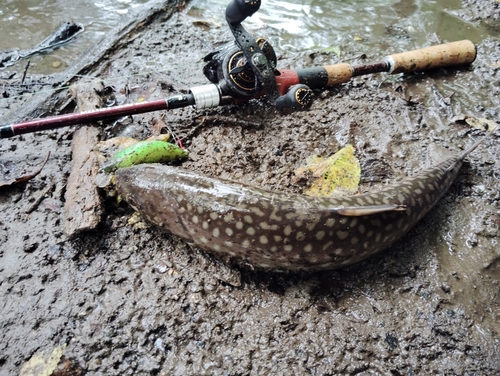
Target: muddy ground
[{"x": 129, "y": 299}]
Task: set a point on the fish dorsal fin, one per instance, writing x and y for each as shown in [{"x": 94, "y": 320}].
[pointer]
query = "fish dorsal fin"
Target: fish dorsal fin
[{"x": 357, "y": 211}]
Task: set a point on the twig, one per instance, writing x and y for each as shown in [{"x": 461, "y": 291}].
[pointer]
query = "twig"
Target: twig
[
  {"x": 25, "y": 71},
  {"x": 39, "y": 199}
]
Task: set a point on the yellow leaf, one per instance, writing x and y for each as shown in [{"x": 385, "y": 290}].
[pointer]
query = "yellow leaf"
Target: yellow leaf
[
  {"x": 336, "y": 175},
  {"x": 481, "y": 123},
  {"x": 43, "y": 363}
]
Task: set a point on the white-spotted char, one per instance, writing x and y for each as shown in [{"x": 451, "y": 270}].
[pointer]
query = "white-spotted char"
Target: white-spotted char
[{"x": 280, "y": 230}]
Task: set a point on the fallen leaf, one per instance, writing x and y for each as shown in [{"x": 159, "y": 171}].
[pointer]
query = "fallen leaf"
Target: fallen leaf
[
  {"x": 336, "y": 175},
  {"x": 24, "y": 178},
  {"x": 334, "y": 49},
  {"x": 481, "y": 123},
  {"x": 43, "y": 363}
]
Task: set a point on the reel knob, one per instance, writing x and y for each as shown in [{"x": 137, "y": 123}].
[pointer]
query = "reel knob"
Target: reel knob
[
  {"x": 238, "y": 10},
  {"x": 299, "y": 97}
]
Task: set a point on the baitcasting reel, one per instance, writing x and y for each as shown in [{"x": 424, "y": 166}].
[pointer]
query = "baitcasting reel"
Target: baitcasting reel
[
  {"x": 246, "y": 68},
  {"x": 229, "y": 68}
]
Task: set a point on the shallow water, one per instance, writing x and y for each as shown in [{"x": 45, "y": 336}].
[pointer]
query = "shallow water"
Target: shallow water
[
  {"x": 300, "y": 25},
  {"x": 25, "y": 23},
  {"x": 332, "y": 24}
]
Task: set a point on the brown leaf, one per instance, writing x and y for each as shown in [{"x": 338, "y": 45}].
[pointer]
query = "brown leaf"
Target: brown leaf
[{"x": 24, "y": 178}]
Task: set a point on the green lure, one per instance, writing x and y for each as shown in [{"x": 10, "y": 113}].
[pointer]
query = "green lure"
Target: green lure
[{"x": 148, "y": 151}]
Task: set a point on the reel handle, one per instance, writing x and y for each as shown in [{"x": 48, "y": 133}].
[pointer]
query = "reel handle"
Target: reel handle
[
  {"x": 298, "y": 97},
  {"x": 238, "y": 10}
]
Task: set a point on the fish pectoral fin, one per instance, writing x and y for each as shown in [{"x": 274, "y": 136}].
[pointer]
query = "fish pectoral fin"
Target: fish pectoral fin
[{"x": 357, "y": 211}]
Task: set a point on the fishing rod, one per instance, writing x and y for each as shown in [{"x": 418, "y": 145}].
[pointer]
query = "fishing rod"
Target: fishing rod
[{"x": 246, "y": 69}]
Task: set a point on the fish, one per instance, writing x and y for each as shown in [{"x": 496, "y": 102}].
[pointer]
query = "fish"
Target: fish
[{"x": 283, "y": 231}]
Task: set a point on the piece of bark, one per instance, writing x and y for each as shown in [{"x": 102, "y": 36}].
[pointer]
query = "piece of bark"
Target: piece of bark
[{"x": 83, "y": 205}]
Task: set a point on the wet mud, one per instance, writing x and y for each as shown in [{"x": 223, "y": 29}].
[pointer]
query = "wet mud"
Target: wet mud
[{"x": 129, "y": 298}]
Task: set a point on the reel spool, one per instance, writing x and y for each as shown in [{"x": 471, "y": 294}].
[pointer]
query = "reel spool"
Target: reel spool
[{"x": 228, "y": 67}]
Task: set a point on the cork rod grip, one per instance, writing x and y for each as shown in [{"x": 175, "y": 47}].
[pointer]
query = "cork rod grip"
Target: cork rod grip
[{"x": 441, "y": 56}]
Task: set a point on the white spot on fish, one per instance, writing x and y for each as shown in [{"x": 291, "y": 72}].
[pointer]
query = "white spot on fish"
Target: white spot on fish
[
  {"x": 300, "y": 236},
  {"x": 257, "y": 211},
  {"x": 308, "y": 248},
  {"x": 275, "y": 217},
  {"x": 250, "y": 231},
  {"x": 320, "y": 235},
  {"x": 288, "y": 230},
  {"x": 342, "y": 234},
  {"x": 263, "y": 239},
  {"x": 330, "y": 222},
  {"x": 216, "y": 232},
  {"x": 311, "y": 226},
  {"x": 327, "y": 245},
  {"x": 248, "y": 219},
  {"x": 195, "y": 219},
  {"x": 229, "y": 231},
  {"x": 214, "y": 215}
]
